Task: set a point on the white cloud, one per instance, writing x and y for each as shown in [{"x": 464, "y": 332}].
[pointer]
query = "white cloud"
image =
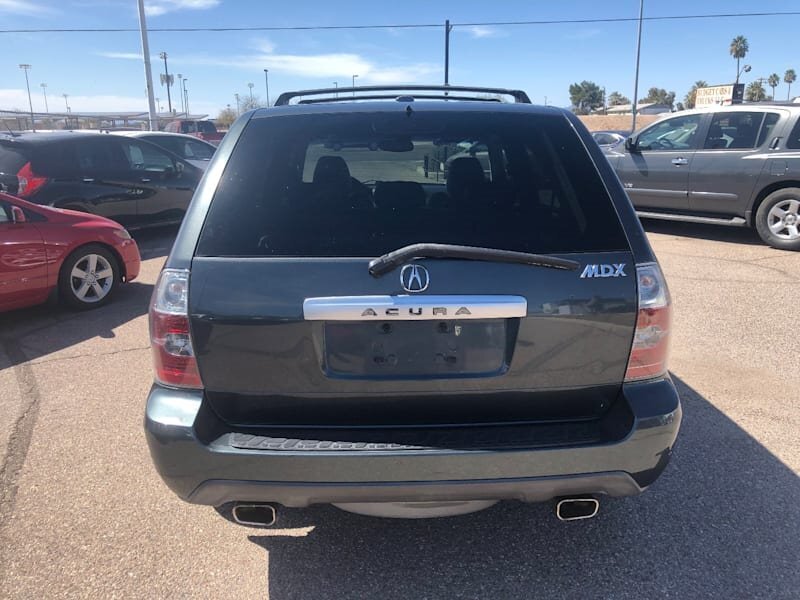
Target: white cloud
[
  {"x": 23, "y": 7},
  {"x": 583, "y": 34},
  {"x": 155, "y": 8},
  {"x": 126, "y": 55},
  {"x": 342, "y": 65},
  {"x": 482, "y": 31}
]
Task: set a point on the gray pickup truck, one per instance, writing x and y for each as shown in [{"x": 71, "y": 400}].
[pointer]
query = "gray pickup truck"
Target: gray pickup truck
[
  {"x": 335, "y": 324},
  {"x": 727, "y": 165}
]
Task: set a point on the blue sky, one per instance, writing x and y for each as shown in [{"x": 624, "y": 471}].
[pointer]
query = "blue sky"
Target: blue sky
[{"x": 103, "y": 71}]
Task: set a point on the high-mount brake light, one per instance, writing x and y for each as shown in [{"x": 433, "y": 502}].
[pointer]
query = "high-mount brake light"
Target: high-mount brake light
[
  {"x": 173, "y": 355},
  {"x": 28, "y": 182},
  {"x": 648, "y": 358}
]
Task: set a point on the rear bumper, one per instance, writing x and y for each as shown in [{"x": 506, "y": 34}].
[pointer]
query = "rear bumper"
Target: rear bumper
[
  {"x": 197, "y": 460},
  {"x": 129, "y": 252}
]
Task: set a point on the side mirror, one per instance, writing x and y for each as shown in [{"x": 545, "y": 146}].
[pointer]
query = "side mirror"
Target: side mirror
[
  {"x": 632, "y": 144},
  {"x": 17, "y": 216}
]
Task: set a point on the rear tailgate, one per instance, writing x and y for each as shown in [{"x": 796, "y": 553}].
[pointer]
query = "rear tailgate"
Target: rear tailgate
[
  {"x": 262, "y": 357},
  {"x": 13, "y": 157},
  {"x": 290, "y": 328}
]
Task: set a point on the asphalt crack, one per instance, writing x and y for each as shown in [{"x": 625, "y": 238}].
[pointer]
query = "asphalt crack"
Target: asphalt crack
[
  {"x": 20, "y": 440},
  {"x": 88, "y": 355}
]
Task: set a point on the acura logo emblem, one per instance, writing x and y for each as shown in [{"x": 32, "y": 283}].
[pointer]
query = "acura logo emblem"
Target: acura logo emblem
[{"x": 414, "y": 278}]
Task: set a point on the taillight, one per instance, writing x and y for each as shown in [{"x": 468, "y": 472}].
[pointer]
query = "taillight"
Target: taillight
[
  {"x": 173, "y": 354},
  {"x": 650, "y": 347},
  {"x": 28, "y": 182}
]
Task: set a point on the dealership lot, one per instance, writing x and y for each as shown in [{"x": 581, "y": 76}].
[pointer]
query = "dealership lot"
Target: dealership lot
[{"x": 83, "y": 513}]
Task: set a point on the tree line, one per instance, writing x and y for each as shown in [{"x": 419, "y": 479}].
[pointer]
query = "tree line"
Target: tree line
[{"x": 587, "y": 96}]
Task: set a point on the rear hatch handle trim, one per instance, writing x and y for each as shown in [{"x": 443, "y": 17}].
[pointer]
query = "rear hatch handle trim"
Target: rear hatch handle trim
[
  {"x": 391, "y": 260},
  {"x": 414, "y": 308}
]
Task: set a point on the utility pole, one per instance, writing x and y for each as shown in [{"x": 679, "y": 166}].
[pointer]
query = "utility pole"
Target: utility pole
[
  {"x": 354, "y": 85},
  {"x": 336, "y": 87},
  {"x": 163, "y": 55},
  {"x": 636, "y": 78},
  {"x": 185, "y": 96},
  {"x": 447, "y": 30},
  {"x": 250, "y": 85},
  {"x": 238, "y": 106},
  {"x": 180, "y": 87},
  {"x": 266, "y": 83},
  {"x": 151, "y": 105},
  {"x": 44, "y": 91},
  {"x": 26, "y": 68}
]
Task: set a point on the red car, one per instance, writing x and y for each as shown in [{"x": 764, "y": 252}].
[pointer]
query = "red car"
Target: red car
[{"x": 81, "y": 256}]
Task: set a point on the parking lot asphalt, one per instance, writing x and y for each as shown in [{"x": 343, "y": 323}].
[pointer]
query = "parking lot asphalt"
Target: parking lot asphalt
[{"x": 83, "y": 513}]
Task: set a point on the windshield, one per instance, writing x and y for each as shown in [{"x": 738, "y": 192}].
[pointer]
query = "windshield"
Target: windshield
[{"x": 354, "y": 185}]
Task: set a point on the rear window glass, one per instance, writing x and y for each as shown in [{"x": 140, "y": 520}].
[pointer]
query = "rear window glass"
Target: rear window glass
[
  {"x": 794, "y": 138},
  {"x": 365, "y": 184},
  {"x": 12, "y": 158}
]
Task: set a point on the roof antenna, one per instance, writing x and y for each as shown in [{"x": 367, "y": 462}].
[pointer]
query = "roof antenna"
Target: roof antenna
[{"x": 11, "y": 133}]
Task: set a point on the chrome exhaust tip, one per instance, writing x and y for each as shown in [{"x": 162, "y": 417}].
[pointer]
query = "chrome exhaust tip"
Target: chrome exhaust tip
[
  {"x": 255, "y": 515},
  {"x": 575, "y": 509}
]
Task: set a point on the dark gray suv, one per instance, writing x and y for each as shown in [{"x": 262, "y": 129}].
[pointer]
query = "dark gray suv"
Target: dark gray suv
[
  {"x": 349, "y": 317},
  {"x": 735, "y": 165}
]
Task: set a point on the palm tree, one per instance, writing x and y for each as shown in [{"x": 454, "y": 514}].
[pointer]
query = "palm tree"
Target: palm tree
[
  {"x": 691, "y": 97},
  {"x": 789, "y": 77},
  {"x": 738, "y": 50},
  {"x": 773, "y": 81},
  {"x": 756, "y": 92}
]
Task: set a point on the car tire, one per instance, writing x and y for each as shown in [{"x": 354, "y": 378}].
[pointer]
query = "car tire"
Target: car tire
[
  {"x": 778, "y": 219},
  {"x": 88, "y": 278}
]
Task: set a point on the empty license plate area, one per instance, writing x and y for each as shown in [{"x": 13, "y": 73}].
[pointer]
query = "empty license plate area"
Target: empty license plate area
[{"x": 392, "y": 349}]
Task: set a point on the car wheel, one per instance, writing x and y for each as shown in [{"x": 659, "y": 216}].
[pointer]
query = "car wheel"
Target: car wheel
[
  {"x": 778, "y": 219},
  {"x": 88, "y": 277}
]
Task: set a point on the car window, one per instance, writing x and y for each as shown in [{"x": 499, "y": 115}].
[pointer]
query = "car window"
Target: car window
[
  {"x": 793, "y": 142},
  {"x": 733, "y": 130},
  {"x": 343, "y": 185},
  {"x": 767, "y": 128},
  {"x": 146, "y": 157},
  {"x": 604, "y": 138},
  {"x": 5, "y": 212},
  {"x": 100, "y": 156},
  {"x": 206, "y": 127},
  {"x": 677, "y": 133},
  {"x": 197, "y": 150}
]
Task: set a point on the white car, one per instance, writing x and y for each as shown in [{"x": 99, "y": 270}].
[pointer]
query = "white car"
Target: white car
[{"x": 189, "y": 148}]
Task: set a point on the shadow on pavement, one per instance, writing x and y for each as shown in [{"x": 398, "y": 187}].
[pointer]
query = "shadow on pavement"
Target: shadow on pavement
[
  {"x": 47, "y": 328},
  {"x": 718, "y": 233},
  {"x": 155, "y": 242},
  {"x": 722, "y": 522}
]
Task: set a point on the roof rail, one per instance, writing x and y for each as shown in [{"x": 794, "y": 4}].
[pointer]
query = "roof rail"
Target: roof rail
[{"x": 340, "y": 94}]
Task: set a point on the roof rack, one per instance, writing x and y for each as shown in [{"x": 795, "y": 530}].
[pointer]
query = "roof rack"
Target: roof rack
[{"x": 344, "y": 94}]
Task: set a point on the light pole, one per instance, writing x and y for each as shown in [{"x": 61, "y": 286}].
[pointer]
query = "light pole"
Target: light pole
[
  {"x": 354, "y": 85},
  {"x": 250, "y": 85},
  {"x": 238, "y": 107},
  {"x": 636, "y": 77},
  {"x": 336, "y": 86},
  {"x": 25, "y": 68},
  {"x": 44, "y": 91},
  {"x": 66, "y": 103},
  {"x": 158, "y": 104},
  {"x": 266, "y": 83},
  {"x": 163, "y": 56},
  {"x": 152, "y": 121},
  {"x": 744, "y": 69},
  {"x": 186, "y": 96},
  {"x": 180, "y": 87}
]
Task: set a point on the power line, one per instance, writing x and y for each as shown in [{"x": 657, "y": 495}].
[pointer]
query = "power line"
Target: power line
[{"x": 411, "y": 25}]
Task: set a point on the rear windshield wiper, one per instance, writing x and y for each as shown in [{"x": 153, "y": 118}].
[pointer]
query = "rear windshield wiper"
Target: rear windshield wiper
[{"x": 391, "y": 260}]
